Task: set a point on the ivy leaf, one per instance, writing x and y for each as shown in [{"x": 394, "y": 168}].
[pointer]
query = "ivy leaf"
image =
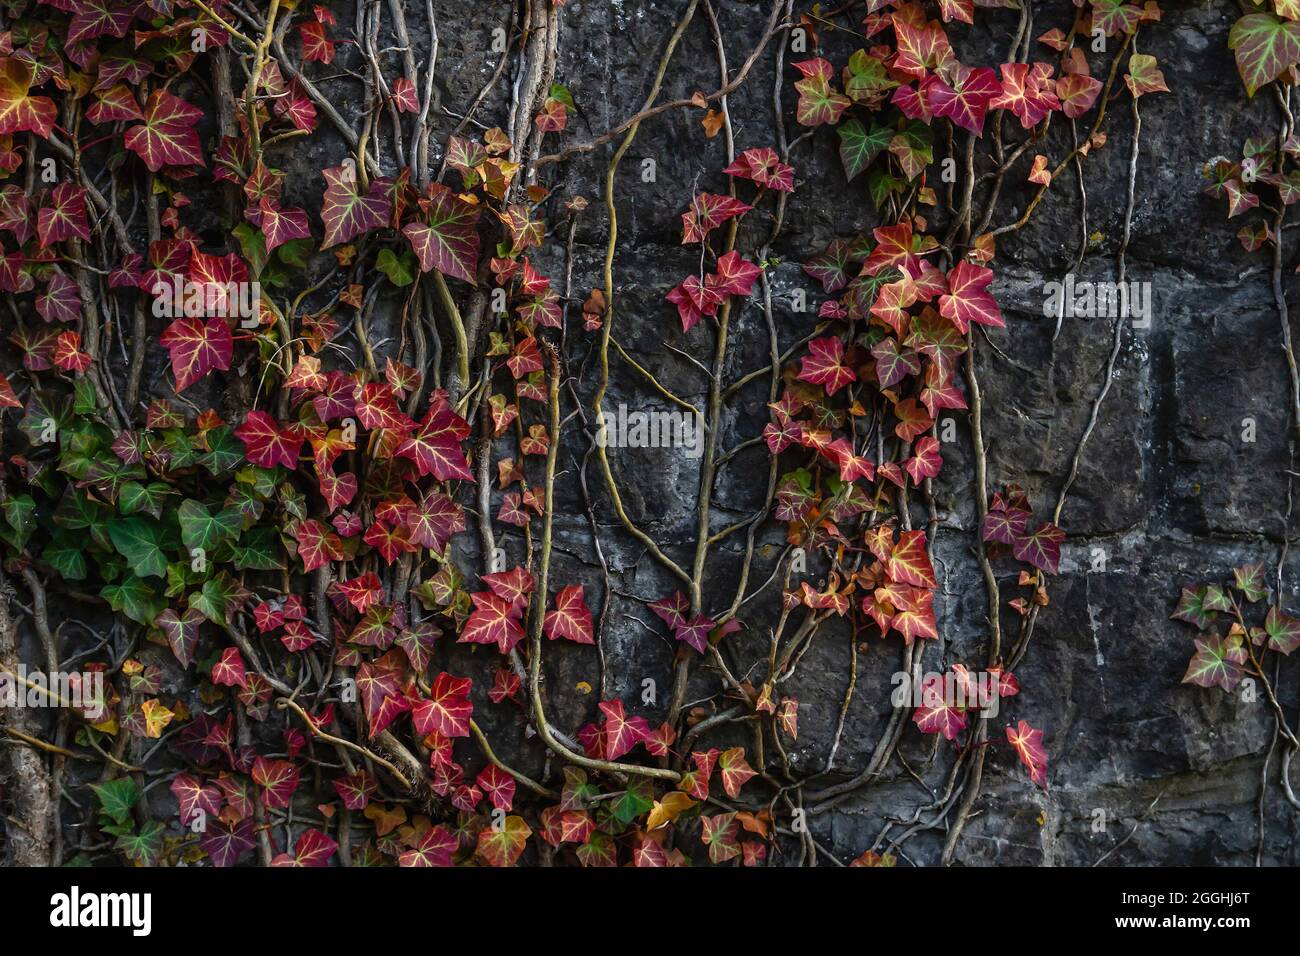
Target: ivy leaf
[
  {"x": 282, "y": 225},
  {"x": 1114, "y": 17},
  {"x": 893, "y": 364},
  {"x": 1197, "y": 605},
  {"x": 194, "y": 798},
  {"x": 672, "y": 609},
  {"x": 504, "y": 845},
  {"x": 936, "y": 715},
  {"x": 497, "y": 785},
  {"x": 436, "y": 846},
  {"x": 819, "y": 103},
  {"x": 200, "y": 528},
  {"x": 19, "y": 111},
  {"x": 317, "y": 545},
  {"x": 966, "y": 101},
  {"x": 1249, "y": 579},
  {"x": 1217, "y": 662},
  {"x": 447, "y": 239},
  {"x": 1283, "y": 631},
  {"x": 1143, "y": 76},
  {"x": 226, "y": 844},
  {"x": 493, "y": 621},
  {"x": 197, "y": 347},
  {"x": 379, "y": 684},
  {"x": 134, "y": 598},
  {"x": 1028, "y": 744},
  {"x": 117, "y": 798},
  {"x": 64, "y": 217},
  {"x": 823, "y": 365},
  {"x": 182, "y": 632},
  {"x": 229, "y": 671},
  {"x": 348, "y": 213},
  {"x": 858, "y": 147},
  {"x": 1077, "y": 92},
  {"x": 140, "y": 541},
  {"x": 734, "y": 275},
  {"x": 620, "y": 733},
  {"x": 448, "y": 709},
  {"x": 571, "y": 618},
  {"x": 695, "y": 631},
  {"x": 909, "y": 563},
  {"x": 96, "y": 18},
  {"x": 167, "y": 137},
  {"x": 316, "y": 47},
  {"x": 435, "y": 447},
  {"x": 922, "y": 46},
  {"x": 720, "y": 833},
  {"x": 1042, "y": 549},
  {"x": 435, "y": 518},
  {"x": 313, "y": 848},
  {"x": 708, "y": 211},
  {"x": 866, "y": 79},
  {"x": 913, "y": 148},
  {"x": 968, "y": 299},
  {"x": 355, "y": 790},
  {"x": 1265, "y": 47},
  {"x": 830, "y": 266},
  {"x": 115, "y": 104},
  {"x": 266, "y": 443},
  {"x": 764, "y": 167},
  {"x": 735, "y": 771}
]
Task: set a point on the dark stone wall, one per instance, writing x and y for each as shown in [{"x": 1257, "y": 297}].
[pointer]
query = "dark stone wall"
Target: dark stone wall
[{"x": 1167, "y": 492}]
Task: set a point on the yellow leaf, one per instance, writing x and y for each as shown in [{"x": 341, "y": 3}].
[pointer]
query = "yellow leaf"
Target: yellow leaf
[
  {"x": 156, "y": 717},
  {"x": 583, "y": 687},
  {"x": 668, "y": 809}
]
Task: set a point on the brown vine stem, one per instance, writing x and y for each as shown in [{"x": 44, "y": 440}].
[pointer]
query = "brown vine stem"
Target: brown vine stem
[
  {"x": 287, "y": 702},
  {"x": 496, "y": 761},
  {"x": 648, "y": 111},
  {"x": 607, "y": 327},
  {"x": 456, "y": 387},
  {"x": 1279, "y": 292},
  {"x": 539, "y": 602}
]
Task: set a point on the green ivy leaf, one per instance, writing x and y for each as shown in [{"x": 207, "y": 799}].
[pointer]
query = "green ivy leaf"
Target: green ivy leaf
[
  {"x": 224, "y": 451},
  {"x": 66, "y": 556},
  {"x": 144, "y": 847},
  {"x": 116, "y": 798},
  {"x": 260, "y": 551},
  {"x": 134, "y": 598},
  {"x": 200, "y": 528},
  {"x": 1265, "y": 46},
  {"x": 135, "y": 497},
  {"x": 858, "y": 146},
  {"x": 140, "y": 541}
]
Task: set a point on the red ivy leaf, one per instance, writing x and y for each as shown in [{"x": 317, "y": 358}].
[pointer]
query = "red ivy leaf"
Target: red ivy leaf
[
  {"x": 196, "y": 347},
  {"x": 348, "y": 213},
  {"x": 64, "y": 217},
  {"x": 824, "y": 365},
  {"x": 447, "y": 239},
  {"x": 167, "y": 137},
  {"x": 1028, "y": 743},
  {"x": 18, "y": 110},
  {"x": 571, "y": 618}
]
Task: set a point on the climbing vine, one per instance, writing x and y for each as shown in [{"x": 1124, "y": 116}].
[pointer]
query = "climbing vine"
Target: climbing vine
[{"x": 308, "y": 556}]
